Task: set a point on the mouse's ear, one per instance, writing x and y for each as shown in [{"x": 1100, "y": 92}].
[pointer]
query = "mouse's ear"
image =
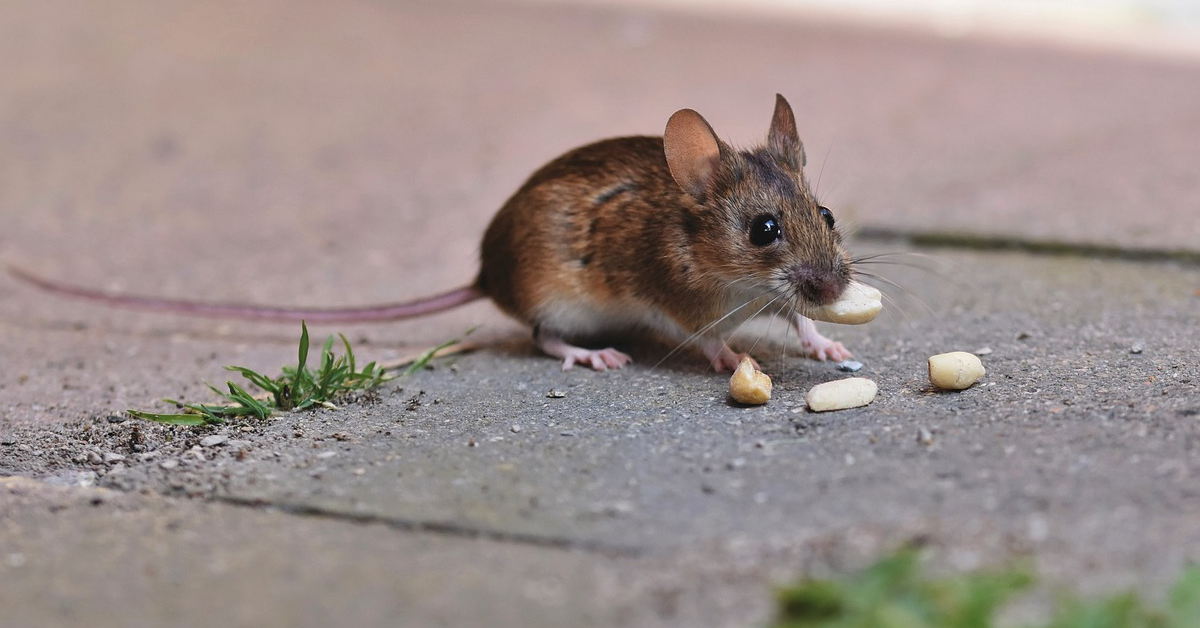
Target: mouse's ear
[
  {"x": 783, "y": 140},
  {"x": 693, "y": 152}
]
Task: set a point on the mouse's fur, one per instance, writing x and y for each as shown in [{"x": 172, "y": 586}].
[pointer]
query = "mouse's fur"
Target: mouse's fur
[
  {"x": 651, "y": 233},
  {"x": 636, "y": 233}
]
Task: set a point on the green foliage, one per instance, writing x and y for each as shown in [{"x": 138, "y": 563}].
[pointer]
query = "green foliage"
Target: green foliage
[
  {"x": 894, "y": 593},
  {"x": 298, "y": 388},
  {"x": 1128, "y": 611},
  {"x": 423, "y": 360}
]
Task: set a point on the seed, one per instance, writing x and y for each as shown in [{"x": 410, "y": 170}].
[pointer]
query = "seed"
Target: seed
[
  {"x": 858, "y": 304},
  {"x": 955, "y": 370},
  {"x": 841, "y": 394},
  {"x": 749, "y": 385}
]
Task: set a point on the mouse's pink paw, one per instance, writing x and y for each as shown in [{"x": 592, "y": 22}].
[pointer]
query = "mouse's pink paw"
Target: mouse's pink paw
[
  {"x": 599, "y": 359},
  {"x": 815, "y": 345},
  {"x": 827, "y": 350},
  {"x": 721, "y": 357}
]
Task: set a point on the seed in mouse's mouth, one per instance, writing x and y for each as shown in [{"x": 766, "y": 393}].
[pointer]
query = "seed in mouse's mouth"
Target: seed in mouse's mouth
[{"x": 817, "y": 286}]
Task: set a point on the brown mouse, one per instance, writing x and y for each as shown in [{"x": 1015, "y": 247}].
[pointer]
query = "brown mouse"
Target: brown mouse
[{"x": 682, "y": 236}]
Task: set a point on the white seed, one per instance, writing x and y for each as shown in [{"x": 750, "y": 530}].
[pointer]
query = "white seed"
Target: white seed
[
  {"x": 858, "y": 304},
  {"x": 749, "y": 385},
  {"x": 840, "y": 394},
  {"x": 955, "y": 370}
]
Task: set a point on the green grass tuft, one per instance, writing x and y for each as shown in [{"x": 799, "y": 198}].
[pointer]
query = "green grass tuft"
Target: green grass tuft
[
  {"x": 895, "y": 593},
  {"x": 298, "y": 388}
]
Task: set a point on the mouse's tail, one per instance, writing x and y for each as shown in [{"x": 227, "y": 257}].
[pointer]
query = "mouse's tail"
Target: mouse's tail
[{"x": 246, "y": 311}]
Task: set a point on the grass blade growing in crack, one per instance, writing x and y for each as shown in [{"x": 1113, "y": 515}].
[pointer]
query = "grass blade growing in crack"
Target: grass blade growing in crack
[
  {"x": 297, "y": 388},
  {"x": 424, "y": 358},
  {"x": 172, "y": 419}
]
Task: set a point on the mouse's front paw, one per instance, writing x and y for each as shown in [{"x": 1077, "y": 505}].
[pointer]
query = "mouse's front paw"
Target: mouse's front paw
[
  {"x": 721, "y": 357},
  {"x": 827, "y": 349},
  {"x": 815, "y": 345},
  {"x": 729, "y": 361}
]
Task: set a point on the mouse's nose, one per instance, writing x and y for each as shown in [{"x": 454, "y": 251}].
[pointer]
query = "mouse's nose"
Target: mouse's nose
[{"x": 820, "y": 286}]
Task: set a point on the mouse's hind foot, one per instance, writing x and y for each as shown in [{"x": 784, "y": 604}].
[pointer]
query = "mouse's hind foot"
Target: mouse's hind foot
[{"x": 598, "y": 359}]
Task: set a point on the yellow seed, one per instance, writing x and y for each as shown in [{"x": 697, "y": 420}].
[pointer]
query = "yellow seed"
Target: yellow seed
[
  {"x": 858, "y": 304},
  {"x": 955, "y": 370},
  {"x": 841, "y": 394},
  {"x": 749, "y": 385}
]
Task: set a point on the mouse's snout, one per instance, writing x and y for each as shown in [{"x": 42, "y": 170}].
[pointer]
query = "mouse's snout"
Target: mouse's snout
[{"x": 819, "y": 286}]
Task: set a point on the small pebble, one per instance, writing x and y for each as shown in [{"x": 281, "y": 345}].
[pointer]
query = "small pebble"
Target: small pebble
[
  {"x": 924, "y": 436},
  {"x": 850, "y": 366},
  {"x": 515, "y": 429},
  {"x": 113, "y": 457},
  {"x": 1135, "y": 349},
  {"x": 982, "y": 351},
  {"x": 169, "y": 464},
  {"x": 116, "y": 418},
  {"x": 326, "y": 454},
  {"x": 214, "y": 440},
  {"x": 94, "y": 457},
  {"x": 554, "y": 394}
]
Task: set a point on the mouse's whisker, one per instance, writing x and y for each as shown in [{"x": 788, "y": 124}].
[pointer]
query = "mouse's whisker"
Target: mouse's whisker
[
  {"x": 894, "y": 304},
  {"x": 929, "y": 264},
  {"x": 795, "y": 303},
  {"x": 706, "y": 328},
  {"x": 821, "y": 171},
  {"x": 899, "y": 287},
  {"x": 924, "y": 256},
  {"x": 759, "y": 311},
  {"x": 770, "y": 324}
]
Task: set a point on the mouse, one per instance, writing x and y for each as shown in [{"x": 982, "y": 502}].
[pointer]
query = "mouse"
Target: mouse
[{"x": 681, "y": 237}]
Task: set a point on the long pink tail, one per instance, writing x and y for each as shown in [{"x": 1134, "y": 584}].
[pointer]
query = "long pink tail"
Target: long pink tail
[{"x": 244, "y": 311}]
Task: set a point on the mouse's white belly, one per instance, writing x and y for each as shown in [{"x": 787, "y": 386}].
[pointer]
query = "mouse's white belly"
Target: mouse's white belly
[{"x": 580, "y": 318}]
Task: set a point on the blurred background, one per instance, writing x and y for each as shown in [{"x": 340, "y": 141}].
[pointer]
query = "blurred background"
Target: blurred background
[{"x": 1147, "y": 24}]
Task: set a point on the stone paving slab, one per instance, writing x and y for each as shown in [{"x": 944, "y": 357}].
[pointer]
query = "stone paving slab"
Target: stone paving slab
[
  {"x": 1078, "y": 443},
  {"x": 72, "y": 556},
  {"x": 652, "y": 459}
]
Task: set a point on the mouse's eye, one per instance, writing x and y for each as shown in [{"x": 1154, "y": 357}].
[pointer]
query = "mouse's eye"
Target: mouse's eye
[
  {"x": 826, "y": 214},
  {"x": 765, "y": 230}
]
